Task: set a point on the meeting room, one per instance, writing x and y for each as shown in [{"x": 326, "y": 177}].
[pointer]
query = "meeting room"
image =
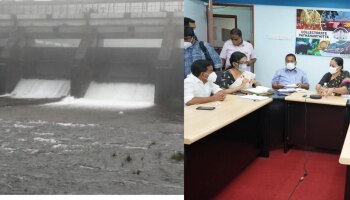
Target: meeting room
[{"x": 266, "y": 99}]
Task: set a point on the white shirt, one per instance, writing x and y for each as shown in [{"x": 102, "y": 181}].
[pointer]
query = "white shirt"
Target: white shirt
[
  {"x": 193, "y": 87},
  {"x": 229, "y": 48}
]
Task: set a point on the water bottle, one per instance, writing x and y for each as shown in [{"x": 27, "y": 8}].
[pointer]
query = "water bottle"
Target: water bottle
[{"x": 325, "y": 88}]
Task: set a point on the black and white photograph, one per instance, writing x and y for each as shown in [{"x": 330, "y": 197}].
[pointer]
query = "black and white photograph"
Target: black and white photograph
[{"x": 91, "y": 97}]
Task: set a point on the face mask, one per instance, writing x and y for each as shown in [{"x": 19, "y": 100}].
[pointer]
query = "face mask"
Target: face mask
[
  {"x": 243, "y": 67},
  {"x": 290, "y": 66},
  {"x": 212, "y": 77},
  {"x": 333, "y": 70},
  {"x": 187, "y": 45}
]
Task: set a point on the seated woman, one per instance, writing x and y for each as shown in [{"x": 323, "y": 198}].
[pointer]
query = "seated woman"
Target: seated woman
[
  {"x": 331, "y": 82},
  {"x": 346, "y": 83},
  {"x": 234, "y": 78}
]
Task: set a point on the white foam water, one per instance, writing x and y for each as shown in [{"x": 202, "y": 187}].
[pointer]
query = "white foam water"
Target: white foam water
[
  {"x": 121, "y": 92},
  {"x": 114, "y": 96},
  {"x": 39, "y": 88}
]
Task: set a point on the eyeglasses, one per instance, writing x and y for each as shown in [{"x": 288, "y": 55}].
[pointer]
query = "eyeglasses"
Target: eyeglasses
[{"x": 242, "y": 62}]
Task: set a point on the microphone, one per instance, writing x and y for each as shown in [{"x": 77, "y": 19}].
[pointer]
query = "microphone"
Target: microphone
[{"x": 315, "y": 96}]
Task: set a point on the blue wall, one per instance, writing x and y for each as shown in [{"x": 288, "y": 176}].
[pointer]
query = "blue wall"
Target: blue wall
[
  {"x": 271, "y": 52},
  {"x": 196, "y": 10},
  {"x": 303, "y": 3},
  {"x": 268, "y": 21}
]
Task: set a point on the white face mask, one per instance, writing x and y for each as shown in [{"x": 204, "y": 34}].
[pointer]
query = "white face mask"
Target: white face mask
[
  {"x": 212, "y": 77},
  {"x": 290, "y": 66},
  {"x": 333, "y": 70},
  {"x": 187, "y": 45},
  {"x": 243, "y": 67}
]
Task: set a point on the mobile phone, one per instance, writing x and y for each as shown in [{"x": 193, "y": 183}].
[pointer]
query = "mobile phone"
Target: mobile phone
[{"x": 205, "y": 108}]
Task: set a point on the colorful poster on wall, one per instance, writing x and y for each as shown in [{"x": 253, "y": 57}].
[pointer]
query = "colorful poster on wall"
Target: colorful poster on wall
[{"x": 323, "y": 33}]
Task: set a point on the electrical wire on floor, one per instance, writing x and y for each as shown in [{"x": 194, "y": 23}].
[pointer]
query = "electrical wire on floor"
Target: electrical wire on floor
[{"x": 305, "y": 156}]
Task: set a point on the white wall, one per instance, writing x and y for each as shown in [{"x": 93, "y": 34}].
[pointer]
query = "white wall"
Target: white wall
[
  {"x": 269, "y": 20},
  {"x": 219, "y": 24},
  {"x": 244, "y": 18},
  {"x": 281, "y": 20},
  {"x": 196, "y": 10}
]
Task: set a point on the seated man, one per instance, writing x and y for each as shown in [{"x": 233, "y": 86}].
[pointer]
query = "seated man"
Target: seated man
[
  {"x": 199, "y": 85},
  {"x": 290, "y": 75}
]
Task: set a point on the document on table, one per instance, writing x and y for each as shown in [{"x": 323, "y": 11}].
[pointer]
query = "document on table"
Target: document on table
[
  {"x": 258, "y": 90},
  {"x": 346, "y": 96},
  {"x": 291, "y": 86},
  {"x": 287, "y": 90},
  {"x": 292, "y": 90},
  {"x": 254, "y": 97}
]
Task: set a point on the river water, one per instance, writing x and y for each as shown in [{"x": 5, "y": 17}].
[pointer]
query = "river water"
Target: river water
[{"x": 62, "y": 149}]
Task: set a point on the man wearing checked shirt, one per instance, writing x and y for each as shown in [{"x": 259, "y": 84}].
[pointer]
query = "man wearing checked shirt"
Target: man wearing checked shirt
[{"x": 194, "y": 52}]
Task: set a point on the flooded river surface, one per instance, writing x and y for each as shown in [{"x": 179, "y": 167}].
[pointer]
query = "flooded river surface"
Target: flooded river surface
[{"x": 47, "y": 149}]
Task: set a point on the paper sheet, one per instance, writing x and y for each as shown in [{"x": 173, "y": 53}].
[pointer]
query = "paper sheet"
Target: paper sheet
[
  {"x": 292, "y": 90},
  {"x": 254, "y": 97},
  {"x": 259, "y": 90},
  {"x": 246, "y": 74},
  {"x": 291, "y": 86}
]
